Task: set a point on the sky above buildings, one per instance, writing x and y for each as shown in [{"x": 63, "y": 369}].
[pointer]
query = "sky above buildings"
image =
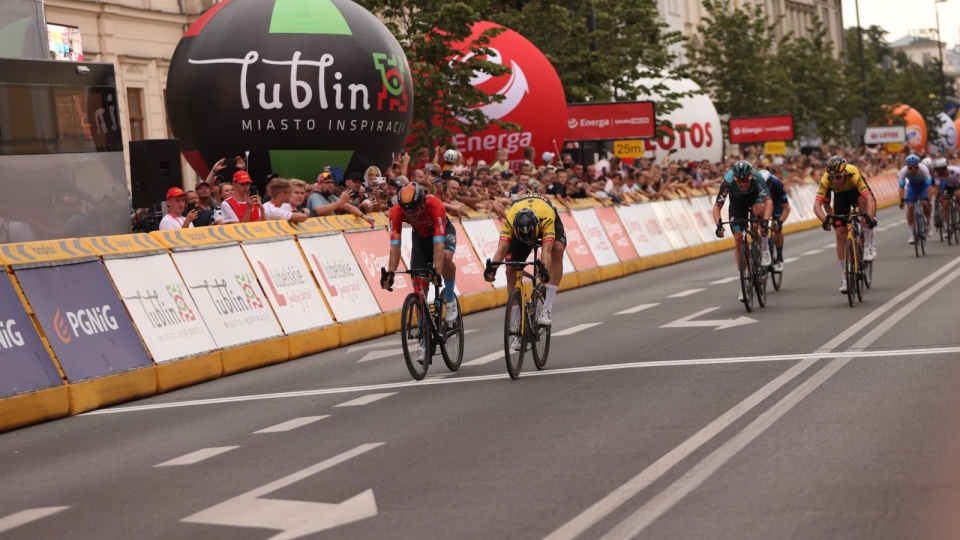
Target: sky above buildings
[{"x": 899, "y": 17}]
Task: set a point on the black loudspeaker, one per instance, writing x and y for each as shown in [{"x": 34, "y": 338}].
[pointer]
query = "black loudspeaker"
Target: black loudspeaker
[{"x": 154, "y": 168}]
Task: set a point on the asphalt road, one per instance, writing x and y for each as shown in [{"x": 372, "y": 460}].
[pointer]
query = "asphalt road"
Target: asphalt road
[{"x": 806, "y": 419}]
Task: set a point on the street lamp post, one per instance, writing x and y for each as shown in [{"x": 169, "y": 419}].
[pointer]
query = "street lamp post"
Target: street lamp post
[{"x": 943, "y": 80}]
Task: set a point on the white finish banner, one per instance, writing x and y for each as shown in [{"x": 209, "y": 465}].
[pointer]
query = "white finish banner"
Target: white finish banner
[
  {"x": 341, "y": 279},
  {"x": 595, "y": 236},
  {"x": 228, "y": 295},
  {"x": 289, "y": 285},
  {"x": 161, "y": 307}
]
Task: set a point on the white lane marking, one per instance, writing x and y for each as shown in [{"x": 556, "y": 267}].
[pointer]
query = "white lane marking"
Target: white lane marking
[
  {"x": 812, "y": 252},
  {"x": 290, "y": 425},
  {"x": 376, "y": 355},
  {"x": 293, "y": 518},
  {"x": 197, "y": 457},
  {"x": 791, "y": 260},
  {"x": 687, "y": 292},
  {"x": 665, "y": 500},
  {"x": 688, "y": 322},
  {"x": 468, "y": 331},
  {"x": 379, "y": 345},
  {"x": 563, "y": 371},
  {"x": 636, "y": 309},
  {"x": 365, "y": 400},
  {"x": 830, "y": 245},
  {"x": 725, "y": 280},
  {"x": 485, "y": 359},
  {"x": 574, "y": 329},
  {"x": 618, "y": 497},
  {"x": 26, "y": 516},
  {"x": 437, "y": 376}
]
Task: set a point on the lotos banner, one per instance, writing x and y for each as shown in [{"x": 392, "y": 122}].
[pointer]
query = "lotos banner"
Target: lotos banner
[
  {"x": 228, "y": 295},
  {"x": 161, "y": 307},
  {"x": 289, "y": 286},
  {"x": 340, "y": 277},
  {"x": 84, "y": 320},
  {"x": 26, "y": 365},
  {"x": 751, "y": 129}
]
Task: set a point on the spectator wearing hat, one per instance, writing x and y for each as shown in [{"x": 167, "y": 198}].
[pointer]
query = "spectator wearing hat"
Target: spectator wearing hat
[
  {"x": 323, "y": 201},
  {"x": 176, "y": 204},
  {"x": 242, "y": 207},
  {"x": 358, "y": 195},
  {"x": 205, "y": 204},
  {"x": 278, "y": 207}
]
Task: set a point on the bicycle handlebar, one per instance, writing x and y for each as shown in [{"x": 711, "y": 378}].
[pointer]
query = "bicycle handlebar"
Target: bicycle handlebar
[
  {"x": 428, "y": 272},
  {"x": 517, "y": 265}
]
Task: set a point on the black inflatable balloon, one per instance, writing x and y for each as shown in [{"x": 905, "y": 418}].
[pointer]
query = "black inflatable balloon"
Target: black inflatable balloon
[{"x": 299, "y": 84}]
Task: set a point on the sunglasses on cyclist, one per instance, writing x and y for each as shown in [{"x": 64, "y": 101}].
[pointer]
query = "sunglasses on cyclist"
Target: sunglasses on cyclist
[
  {"x": 835, "y": 177},
  {"x": 913, "y": 167}
]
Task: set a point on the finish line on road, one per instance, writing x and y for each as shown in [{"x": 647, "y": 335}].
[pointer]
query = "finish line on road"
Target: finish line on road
[{"x": 564, "y": 371}]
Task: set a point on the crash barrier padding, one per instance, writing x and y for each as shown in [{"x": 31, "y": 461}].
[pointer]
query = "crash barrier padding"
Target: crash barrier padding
[{"x": 86, "y": 323}]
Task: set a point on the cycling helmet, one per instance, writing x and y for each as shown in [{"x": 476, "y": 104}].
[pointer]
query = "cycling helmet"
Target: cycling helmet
[
  {"x": 411, "y": 197},
  {"x": 525, "y": 226},
  {"x": 836, "y": 165},
  {"x": 450, "y": 156},
  {"x": 926, "y": 162},
  {"x": 940, "y": 163},
  {"x": 742, "y": 170},
  {"x": 765, "y": 174},
  {"x": 913, "y": 160}
]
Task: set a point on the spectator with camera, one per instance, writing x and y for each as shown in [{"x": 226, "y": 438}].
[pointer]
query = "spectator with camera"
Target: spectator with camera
[
  {"x": 245, "y": 205},
  {"x": 324, "y": 201},
  {"x": 177, "y": 217}
]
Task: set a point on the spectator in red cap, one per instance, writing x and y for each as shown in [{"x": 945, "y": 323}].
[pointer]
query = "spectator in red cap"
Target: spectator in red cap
[
  {"x": 176, "y": 204},
  {"x": 243, "y": 207}
]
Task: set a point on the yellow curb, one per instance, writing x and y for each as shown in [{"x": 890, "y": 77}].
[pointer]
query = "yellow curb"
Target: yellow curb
[
  {"x": 34, "y": 407},
  {"x": 391, "y": 322},
  {"x": 480, "y": 301},
  {"x": 362, "y": 329},
  {"x": 588, "y": 277},
  {"x": 188, "y": 371},
  {"x": 254, "y": 355},
  {"x": 313, "y": 341},
  {"x": 611, "y": 271},
  {"x": 95, "y": 393}
]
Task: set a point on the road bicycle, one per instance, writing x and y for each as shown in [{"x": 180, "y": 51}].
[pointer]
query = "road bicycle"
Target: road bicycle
[
  {"x": 938, "y": 219},
  {"x": 952, "y": 222},
  {"x": 422, "y": 325},
  {"x": 776, "y": 276},
  {"x": 919, "y": 228},
  {"x": 524, "y": 305},
  {"x": 856, "y": 271},
  {"x": 753, "y": 275}
]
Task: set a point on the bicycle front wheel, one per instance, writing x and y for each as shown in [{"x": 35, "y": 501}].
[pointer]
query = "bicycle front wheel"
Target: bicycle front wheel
[
  {"x": 777, "y": 279},
  {"x": 541, "y": 334},
  {"x": 452, "y": 348},
  {"x": 759, "y": 277},
  {"x": 850, "y": 270},
  {"x": 513, "y": 329},
  {"x": 415, "y": 336},
  {"x": 746, "y": 277},
  {"x": 867, "y": 272},
  {"x": 955, "y": 223}
]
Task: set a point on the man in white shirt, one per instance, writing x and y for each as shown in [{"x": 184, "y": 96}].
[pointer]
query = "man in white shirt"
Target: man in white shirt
[
  {"x": 278, "y": 206},
  {"x": 244, "y": 206},
  {"x": 176, "y": 204}
]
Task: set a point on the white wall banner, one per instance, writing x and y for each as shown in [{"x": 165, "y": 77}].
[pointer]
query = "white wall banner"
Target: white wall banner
[
  {"x": 678, "y": 209},
  {"x": 341, "y": 280},
  {"x": 595, "y": 236},
  {"x": 702, "y": 214},
  {"x": 670, "y": 226},
  {"x": 161, "y": 307},
  {"x": 228, "y": 295},
  {"x": 484, "y": 236},
  {"x": 887, "y": 134},
  {"x": 289, "y": 286},
  {"x": 633, "y": 224}
]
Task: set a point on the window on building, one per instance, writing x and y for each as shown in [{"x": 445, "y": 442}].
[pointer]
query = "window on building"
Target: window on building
[{"x": 135, "y": 112}]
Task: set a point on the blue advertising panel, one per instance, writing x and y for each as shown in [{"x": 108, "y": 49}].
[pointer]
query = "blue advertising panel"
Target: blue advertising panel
[
  {"x": 25, "y": 365},
  {"x": 84, "y": 320}
]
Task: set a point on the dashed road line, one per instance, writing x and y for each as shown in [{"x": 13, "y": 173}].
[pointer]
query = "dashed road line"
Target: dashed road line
[
  {"x": 484, "y": 359},
  {"x": 685, "y": 293},
  {"x": 290, "y": 425},
  {"x": 365, "y": 400},
  {"x": 196, "y": 457},
  {"x": 812, "y": 252},
  {"x": 575, "y": 329},
  {"x": 26, "y": 516},
  {"x": 379, "y": 345},
  {"x": 636, "y": 309},
  {"x": 725, "y": 280},
  {"x": 791, "y": 260}
]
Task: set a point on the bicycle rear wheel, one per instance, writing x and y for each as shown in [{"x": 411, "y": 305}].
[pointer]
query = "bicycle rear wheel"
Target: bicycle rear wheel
[
  {"x": 759, "y": 277},
  {"x": 541, "y": 334},
  {"x": 955, "y": 222},
  {"x": 917, "y": 235},
  {"x": 867, "y": 273},
  {"x": 415, "y": 336},
  {"x": 452, "y": 348},
  {"x": 850, "y": 273},
  {"x": 777, "y": 279},
  {"x": 746, "y": 277},
  {"x": 513, "y": 328},
  {"x": 938, "y": 219}
]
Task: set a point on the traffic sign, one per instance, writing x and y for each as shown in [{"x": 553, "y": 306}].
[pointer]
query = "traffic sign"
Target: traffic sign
[
  {"x": 628, "y": 149},
  {"x": 774, "y": 147}
]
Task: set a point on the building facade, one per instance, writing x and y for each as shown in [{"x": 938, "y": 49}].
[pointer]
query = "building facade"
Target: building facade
[{"x": 922, "y": 47}]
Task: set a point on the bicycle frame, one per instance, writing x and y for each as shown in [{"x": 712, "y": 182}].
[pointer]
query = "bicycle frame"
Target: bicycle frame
[
  {"x": 854, "y": 273},
  {"x": 758, "y": 272}
]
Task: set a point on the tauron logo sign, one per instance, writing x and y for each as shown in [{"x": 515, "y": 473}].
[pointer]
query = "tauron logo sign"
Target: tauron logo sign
[
  {"x": 297, "y": 88},
  {"x": 89, "y": 321}
]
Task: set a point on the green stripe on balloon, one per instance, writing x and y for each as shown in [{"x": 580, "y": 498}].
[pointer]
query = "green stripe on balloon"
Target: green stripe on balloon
[
  {"x": 307, "y": 164},
  {"x": 307, "y": 17}
]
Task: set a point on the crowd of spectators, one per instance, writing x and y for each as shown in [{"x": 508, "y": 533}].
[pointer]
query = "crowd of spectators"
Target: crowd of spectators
[{"x": 466, "y": 186}]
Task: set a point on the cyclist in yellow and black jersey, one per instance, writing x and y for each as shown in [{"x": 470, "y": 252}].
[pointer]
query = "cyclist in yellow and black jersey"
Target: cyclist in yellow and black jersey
[{"x": 533, "y": 217}]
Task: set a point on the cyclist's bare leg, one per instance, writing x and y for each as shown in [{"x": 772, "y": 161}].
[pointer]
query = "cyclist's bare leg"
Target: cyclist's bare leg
[
  {"x": 449, "y": 271},
  {"x": 737, "y": 241},
  {"x": 556, "y": 263},
  {"x": 926, "y": 209},
  {"x": 868, "y": 205},
  {"x": 910, "y": 219},
  {"x": 764, "y": 241},
  {"x": 511, "y": 278}
]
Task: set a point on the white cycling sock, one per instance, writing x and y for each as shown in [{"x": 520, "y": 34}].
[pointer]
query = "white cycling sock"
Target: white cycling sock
[
  {"x": 868, "y": 237},
  {"x": 551, "y": 294},
  {"x": 765, "y": 245}
]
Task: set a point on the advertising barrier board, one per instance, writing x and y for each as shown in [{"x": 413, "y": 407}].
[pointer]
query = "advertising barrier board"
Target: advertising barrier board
[
  {"x": 706, "y": 204},
  {"x": 654, "y": 228},
  {"x": 469, "y": 266},
  {"x": 26, "y": 365},
  {"x": 678, "y": 210},
  {"x": 670, "y": 226},
  {"x": 753, "y": 129},
  {"x": 611, "y": 121},
  {"x": 484, "y": 236},
  {"x": 340, "y": 277},
  {"x": 84, "y": 320},
  {"x": 616, "y": 233},
  {"x": 228, "y": 295},
  {"x": 887, "y": 134},
  {"x": 289, "y": 287},
  {"x": 372, "y": 251},
  {"x": 577, "y": 247},
  {"x": 161, "y": 307},
  {"x": 636, "y": 232},
  {"x": 595, "y": 236}
]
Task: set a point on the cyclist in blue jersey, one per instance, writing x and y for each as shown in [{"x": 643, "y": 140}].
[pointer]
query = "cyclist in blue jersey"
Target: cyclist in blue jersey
[
  {"x": 781, "y": 209},
  {"x": 748, "y": 193},
  {"x": 914, "y": 179},
  {"x": 949, "y": 177}
]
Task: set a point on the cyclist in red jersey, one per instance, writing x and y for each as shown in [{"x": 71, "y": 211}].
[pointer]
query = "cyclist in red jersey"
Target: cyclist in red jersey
[{"x": 433, "y": 236}]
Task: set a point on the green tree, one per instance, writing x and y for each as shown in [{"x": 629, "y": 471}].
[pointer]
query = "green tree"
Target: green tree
[{"x": 429, "y": 32}]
